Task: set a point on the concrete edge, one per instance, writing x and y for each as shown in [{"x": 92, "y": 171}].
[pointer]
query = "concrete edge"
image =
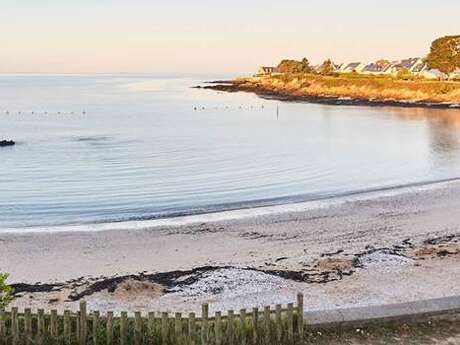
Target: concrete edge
[{"x": 347, "y": 317}]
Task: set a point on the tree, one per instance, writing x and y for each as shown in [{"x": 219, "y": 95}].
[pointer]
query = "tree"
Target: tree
[
  {"x": 445, "y": 54},
  {"x": 6, "y": 291},
  {"x": 294, "y": 66},
  {"x": 327, "y": 67}
]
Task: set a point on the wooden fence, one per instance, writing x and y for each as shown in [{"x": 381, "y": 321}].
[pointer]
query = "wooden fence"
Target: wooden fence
[{"x": 268, "y": 326}]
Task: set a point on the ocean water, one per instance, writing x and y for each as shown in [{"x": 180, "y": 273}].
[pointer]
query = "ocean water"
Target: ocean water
[{"x": 117, "y": 148}]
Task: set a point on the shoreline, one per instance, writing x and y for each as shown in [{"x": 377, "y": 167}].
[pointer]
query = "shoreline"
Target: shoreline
[
  {"x": 391, "y": 249},
  {"x": 261, "y": 208},
  {"x": 290, "y": 96}
]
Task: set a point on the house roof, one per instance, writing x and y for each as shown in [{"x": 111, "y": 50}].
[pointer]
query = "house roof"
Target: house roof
[
  {"x": 406, "y": 63},
  {"x": 374, "y": 67},
  {"x": 352, "y": 65}
]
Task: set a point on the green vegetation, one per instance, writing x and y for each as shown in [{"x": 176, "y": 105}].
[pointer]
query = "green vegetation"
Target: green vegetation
[
  {"x": 445, "y": 54},
  {"x": 355, "y": 86},
  {"x": 6, "y": 291},
  {"x": 294, "y": 66}
]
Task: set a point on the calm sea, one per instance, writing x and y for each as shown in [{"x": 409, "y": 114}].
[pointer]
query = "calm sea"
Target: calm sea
[{"x": 112, "y": 148}]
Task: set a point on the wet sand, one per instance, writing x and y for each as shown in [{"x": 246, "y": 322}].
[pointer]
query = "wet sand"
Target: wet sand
[{"x": 389, "y": 249}]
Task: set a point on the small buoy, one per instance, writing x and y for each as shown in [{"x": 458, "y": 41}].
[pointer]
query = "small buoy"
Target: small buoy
[{"x": 84, "y": 112}]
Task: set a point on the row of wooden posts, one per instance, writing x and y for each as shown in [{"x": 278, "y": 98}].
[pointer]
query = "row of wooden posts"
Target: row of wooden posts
[{"x": 269, "y": 326}]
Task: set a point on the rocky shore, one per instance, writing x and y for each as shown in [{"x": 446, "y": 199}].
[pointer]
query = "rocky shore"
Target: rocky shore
[{"x": 306, "y": 91}]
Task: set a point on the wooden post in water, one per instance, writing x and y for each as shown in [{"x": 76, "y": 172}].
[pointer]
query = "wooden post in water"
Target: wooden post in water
[
  {"x": 204, "y": 324},
  {"x": 255, "y": 325},
  {"x": 243, "y": 332},
  {"x": 300, "y": 323},
  {"x": 96, "y": 316},
  {"x": 191, "y": 328},
  {"x": 83, "y": 323},
  {"x": 124, "y": 328}
]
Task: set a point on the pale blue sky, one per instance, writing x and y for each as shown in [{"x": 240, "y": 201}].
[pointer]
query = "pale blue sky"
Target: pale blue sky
[{"x": 195, "y": 36}]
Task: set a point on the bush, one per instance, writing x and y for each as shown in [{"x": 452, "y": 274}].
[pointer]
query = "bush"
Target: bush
[{"x": 6, "y": 292}]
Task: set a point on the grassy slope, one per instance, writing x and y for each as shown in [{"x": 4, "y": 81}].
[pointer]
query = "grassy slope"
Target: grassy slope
[{"x": 359, "y": 87}]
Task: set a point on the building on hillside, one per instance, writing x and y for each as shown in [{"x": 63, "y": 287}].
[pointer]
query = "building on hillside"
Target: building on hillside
[
  {"x": 428, "y": 73},
  {"x": 356, "y": 67},
  {"x": 264, "y": 70},
  {"x": 335, "y": 67},
  {"x": 412, "y": 65},
  {"x": 376, "y": 68}
]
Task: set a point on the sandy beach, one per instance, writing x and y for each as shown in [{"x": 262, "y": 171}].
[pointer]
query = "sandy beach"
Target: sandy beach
[{"x": 399, "y": 247}]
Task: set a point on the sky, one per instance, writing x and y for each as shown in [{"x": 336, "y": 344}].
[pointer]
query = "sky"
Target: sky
[{"x": 203, "y": 36}]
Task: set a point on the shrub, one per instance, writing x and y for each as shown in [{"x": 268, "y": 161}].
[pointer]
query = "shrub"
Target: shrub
[{"x": 6, "y": 292}]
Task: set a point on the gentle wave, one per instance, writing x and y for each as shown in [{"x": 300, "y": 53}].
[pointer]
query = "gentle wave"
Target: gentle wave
[{"x": 188, "y": 218}]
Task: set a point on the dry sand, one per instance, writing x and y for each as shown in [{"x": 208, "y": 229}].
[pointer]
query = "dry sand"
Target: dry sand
[{"x": 388, "y": 249}]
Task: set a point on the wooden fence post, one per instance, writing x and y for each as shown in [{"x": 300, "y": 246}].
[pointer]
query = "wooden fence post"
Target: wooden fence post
[
  {"x": 83, "y": 323},
  {"x": 124, "y": 328},
  {"x": 2, "y": 326},
  {"x": 67, "y": 327},
  {"x": 279, "y": 323},
  {"x": 150, "y": 327},
  {"x": 164, "y": 328},
  {"x": 267, "y": 324},
  {"x": 290, "y": 322},
  {"x": 178, "y": 328},
  {"x": 28, "y": 325},
  {"x": 231, "y": 327},
  {"x": 96, "y": 316},
  {"x": 255, "y": 325},
  {"x": 191, "y": 328},
  {"x": 54, "y": 324},
  {"x": 137, "y": 328},
  {"x": 14, "y": 325},
  {"x": 218, "y": 328},
  {"x": 109, "y": 328},
  {"x": 204, "y": 324},
  {"x": 243, "y": 327},
  {"x": 300, "y": 323},
  {"x": 41, "y": 325}
]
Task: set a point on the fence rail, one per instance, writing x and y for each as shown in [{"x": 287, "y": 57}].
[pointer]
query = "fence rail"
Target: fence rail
[{"x": 267, "y": 326}]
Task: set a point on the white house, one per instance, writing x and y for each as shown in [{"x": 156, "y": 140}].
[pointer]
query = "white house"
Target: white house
[{"x": 357, "y": 67}]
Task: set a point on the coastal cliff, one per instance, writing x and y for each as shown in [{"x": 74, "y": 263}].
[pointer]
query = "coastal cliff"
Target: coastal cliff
[{"x": 348, "y": 90}]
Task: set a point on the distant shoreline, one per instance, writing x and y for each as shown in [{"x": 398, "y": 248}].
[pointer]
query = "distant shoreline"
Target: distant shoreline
[{"x": 288, "y": 94}]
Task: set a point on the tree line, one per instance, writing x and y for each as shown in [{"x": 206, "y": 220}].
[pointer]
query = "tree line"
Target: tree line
[{"x": 444, "y": 56}]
